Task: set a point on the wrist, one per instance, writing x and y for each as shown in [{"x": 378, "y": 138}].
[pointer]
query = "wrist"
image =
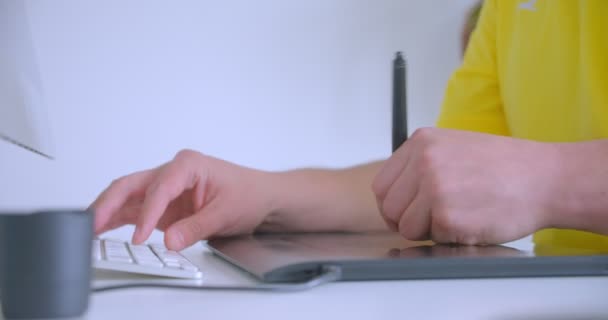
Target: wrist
[
  {"x": 558, "y": 203},
  {"x": 579, "y": 186},
  {"x": 290, "y": 200},
  {"x": 320, "y": 200},
  {"x": 270, "y": 187},
  {"x": 298, "y": 200}
]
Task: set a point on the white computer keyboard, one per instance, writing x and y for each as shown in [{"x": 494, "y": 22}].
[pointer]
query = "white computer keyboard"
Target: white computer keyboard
[{"x": 150, "y": 259}]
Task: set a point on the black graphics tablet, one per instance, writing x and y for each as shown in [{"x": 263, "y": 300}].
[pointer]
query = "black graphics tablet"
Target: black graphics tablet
[{"x": 387, "y": 256}]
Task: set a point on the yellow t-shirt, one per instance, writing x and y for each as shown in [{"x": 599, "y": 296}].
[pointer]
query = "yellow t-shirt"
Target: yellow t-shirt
[{"x": 536, "y": 70}]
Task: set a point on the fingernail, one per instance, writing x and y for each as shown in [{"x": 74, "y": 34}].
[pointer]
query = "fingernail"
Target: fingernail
[{"x": 136, "y": 236}]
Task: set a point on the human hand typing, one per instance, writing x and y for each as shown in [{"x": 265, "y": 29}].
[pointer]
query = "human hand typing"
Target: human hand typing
[
  {"x": 462, "y": 187},
  {"x": 192, "y": 197}
]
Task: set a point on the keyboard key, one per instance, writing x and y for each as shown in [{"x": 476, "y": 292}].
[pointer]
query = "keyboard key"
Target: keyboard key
[
  {"x": 169, "y": 255},
  {"x": 170, "y": 260},
  {"x": 120, "y": 259},
  {"x": 189, "y": 267},
  {"x": 142, "y": 252},
  {"x": 151, "y": 259},
  {"x": 117, "y": 251},
  {"x": 114, "y": 244},
  {"x": 150, "y": 263}
]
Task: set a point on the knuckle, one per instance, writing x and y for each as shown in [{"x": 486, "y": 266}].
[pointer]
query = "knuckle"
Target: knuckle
[
  {"x": 378, "y": 187},
  {"x": 119, "y": 182},
  {"x": 423, "y": 133},
  {"x": 382, "y": 181},
  {"x": 186, "y": 154},
  {"x": 159, "y": 189},
  {"x": 427, "y": 159}
]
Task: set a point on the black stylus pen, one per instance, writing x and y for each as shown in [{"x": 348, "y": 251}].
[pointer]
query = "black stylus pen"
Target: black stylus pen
[{"x": 399, "y": 101}]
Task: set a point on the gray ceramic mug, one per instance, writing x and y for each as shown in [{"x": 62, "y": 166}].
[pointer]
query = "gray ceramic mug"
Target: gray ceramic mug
[{"x": 45, "y": 264}]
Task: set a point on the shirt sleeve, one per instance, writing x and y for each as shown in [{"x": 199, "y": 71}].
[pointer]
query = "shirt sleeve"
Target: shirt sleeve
[{"x": 472, "y": 98}]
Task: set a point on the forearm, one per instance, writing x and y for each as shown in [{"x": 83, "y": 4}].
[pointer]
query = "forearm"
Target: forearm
[
  {"x": 581, "y": 196},
  {"x": 324, "y": 200}
]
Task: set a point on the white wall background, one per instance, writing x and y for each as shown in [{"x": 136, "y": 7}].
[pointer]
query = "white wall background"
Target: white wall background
[{"x": 267, "y": 83}]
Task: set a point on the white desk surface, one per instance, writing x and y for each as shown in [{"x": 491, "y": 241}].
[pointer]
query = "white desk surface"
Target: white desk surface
[{"x": 488, "y": 299}]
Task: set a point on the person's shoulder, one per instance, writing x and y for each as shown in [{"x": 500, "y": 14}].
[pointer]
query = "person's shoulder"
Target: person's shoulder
[
  {"x": 508, "y": 7},
  {"x": 500, "y": 10}
]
